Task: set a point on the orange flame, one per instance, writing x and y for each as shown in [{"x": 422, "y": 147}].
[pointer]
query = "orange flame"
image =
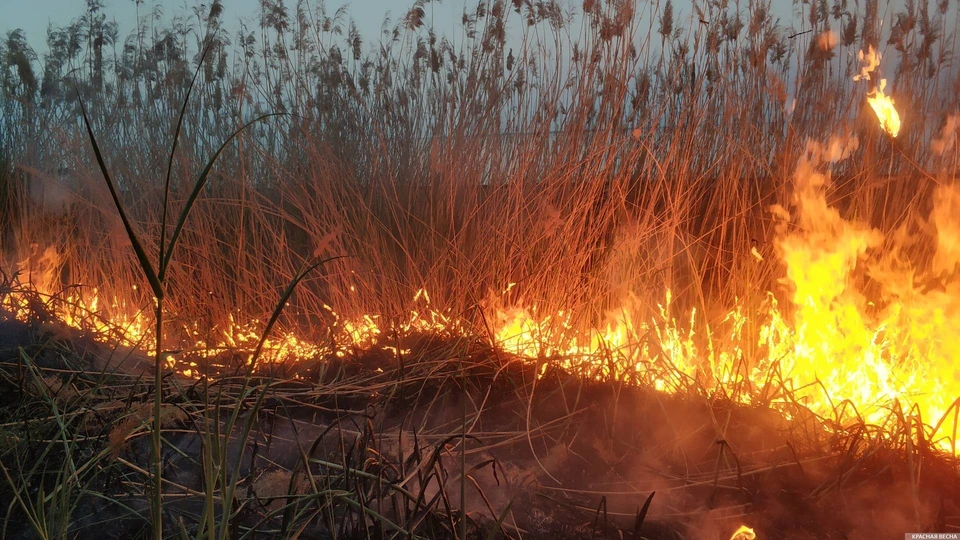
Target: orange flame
[
  {"x": 837, "y": 351},
  {"x": 881, "y": 104}
]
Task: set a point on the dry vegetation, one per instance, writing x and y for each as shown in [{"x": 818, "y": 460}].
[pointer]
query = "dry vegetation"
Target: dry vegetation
[{"x": 572, "y": 156}]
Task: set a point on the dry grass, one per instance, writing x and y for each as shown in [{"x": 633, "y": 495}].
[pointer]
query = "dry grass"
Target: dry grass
[
  {"x": 584, "y": 154},
  {"x": 442, "y": 163}
]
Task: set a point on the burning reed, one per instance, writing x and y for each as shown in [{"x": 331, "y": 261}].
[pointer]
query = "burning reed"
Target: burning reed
[{"x": 731, "y": 210}]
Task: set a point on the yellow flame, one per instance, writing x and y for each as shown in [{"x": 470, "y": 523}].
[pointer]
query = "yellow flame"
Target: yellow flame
[
  {"x": 744, "y": 533},
  {"x": 881, "y": 104},
  {"x": 842, "y": 353}
]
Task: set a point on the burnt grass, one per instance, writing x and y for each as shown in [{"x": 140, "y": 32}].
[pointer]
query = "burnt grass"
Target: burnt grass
[{"x": 372, "y": 445}]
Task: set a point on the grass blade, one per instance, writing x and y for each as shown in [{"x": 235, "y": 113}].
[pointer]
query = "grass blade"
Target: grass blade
[
  {"x": 173, "y": 147},
  {"x": 642, "y": 516},
  {"x": 145, "y": 266},
  {"x": 197, "y": 188}
]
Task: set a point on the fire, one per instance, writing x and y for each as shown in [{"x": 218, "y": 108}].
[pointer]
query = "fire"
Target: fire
[
  {"x": 867, "y": 352},
  {"x": 842, "y": 353},
  {"x": 830, "y": 345},
  {"x": 881, "y": 104},
  {"x": 833, "y": 345},
  {"x": 744, "y": 533}
]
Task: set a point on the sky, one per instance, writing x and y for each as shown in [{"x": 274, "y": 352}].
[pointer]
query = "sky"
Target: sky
[{"x": 33, "y": 16}]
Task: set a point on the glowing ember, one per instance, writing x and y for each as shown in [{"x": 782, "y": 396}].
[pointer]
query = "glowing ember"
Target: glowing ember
[{"x": 744, "y": 533}]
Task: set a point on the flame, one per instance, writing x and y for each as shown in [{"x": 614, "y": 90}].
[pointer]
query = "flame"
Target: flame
[
  {"x": 881, "y": 104},
  {"x": 833, "y": 346},
  {"x": 744, "y": 533},
  {"x": 830, "y": 344},
  {"x": 867, "y": 352},
  {"x": 844, "y": 354}
]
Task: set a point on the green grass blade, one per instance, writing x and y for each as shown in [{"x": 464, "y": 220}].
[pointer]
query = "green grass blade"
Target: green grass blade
[
  {"x": 503, "y": 516},
  {"x": 278, "y": 309},
  {"x": 25, "y": 506},
  {"x": 197, "y": 188},
  {"x": 145, "y": 266},
  {"x": 173, "y": 148},
  {"x": 642, "y": 516}
]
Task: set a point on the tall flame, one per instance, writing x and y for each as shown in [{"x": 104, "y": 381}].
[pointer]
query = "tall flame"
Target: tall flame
[{"x": 882, "y": 104}]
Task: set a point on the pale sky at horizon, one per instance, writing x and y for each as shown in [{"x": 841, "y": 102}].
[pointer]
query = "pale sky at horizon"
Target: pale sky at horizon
[{"x": 34, "y": 16}]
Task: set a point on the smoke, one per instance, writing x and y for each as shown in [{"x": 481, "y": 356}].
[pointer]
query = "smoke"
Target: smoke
[
  {"x": 948, "y": 135},
  {"x": 871, "y": 60},
  {"x": 52, "y": 194}
]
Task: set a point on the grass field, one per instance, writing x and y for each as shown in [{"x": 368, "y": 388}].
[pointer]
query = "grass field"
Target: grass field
[{"x": 605, "y": 270}]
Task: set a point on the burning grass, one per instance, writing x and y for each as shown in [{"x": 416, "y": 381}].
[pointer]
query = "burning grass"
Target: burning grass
[
  {"x": 386, "y": 445},
  {"x": 570, "y": 271}
]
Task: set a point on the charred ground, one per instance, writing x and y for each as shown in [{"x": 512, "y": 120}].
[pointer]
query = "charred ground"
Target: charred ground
[{"x": 367, "y": 446}]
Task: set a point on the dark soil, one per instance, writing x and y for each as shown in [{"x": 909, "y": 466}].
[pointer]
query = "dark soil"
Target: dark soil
[{"x": 549, "y": 457}]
